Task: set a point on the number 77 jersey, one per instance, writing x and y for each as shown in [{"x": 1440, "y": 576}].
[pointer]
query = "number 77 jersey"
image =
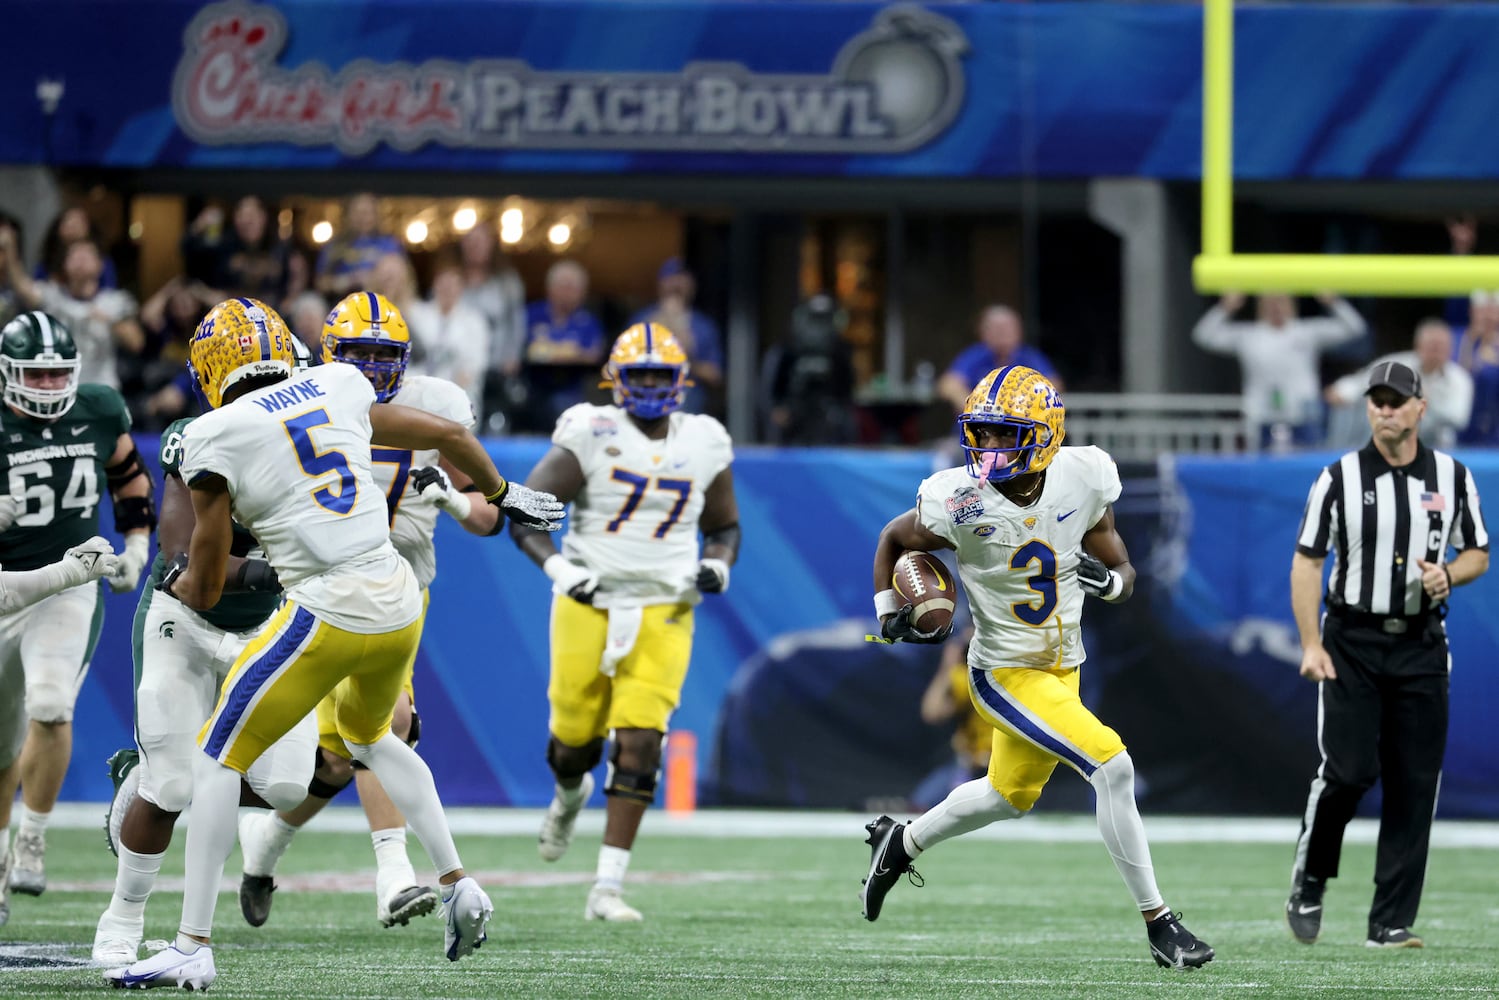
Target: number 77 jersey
[
  {"x": 56, "y": 470},
  {"x": 1019, "y": 564},
  {"x": 635, "y": 522}
]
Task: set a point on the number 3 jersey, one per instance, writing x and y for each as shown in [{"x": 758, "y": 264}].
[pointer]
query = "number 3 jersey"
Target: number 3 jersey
[
  {"x": 1019, "y": 564},
  {"x": 296, "y": 457},
  {"x": 56, "y": 470},
  {"x": 635, "y": 521}
]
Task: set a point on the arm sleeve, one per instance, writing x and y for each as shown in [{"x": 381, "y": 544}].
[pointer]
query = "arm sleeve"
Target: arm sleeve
[
  {"x": 1314, "y": 537},
  {"x": 1470, "y": 531},
  {"x": 1215, "y": 333}
]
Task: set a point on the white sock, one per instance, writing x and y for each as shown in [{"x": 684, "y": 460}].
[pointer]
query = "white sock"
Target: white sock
[
  {"x": 613, "y": 863},
  {"x": 212, "y": 830},
  {"x": 135, "y": 877},
  {"x": 187, "y": 945},
  {"x": 1123, "y": 831},
  {"x": 408, "y": 781},
  {"x": 278, "y": 837},
  {"x": 970, "y": 806},
  {"x": 33, "y": 822},
  {"x": 390, "y": 855}
]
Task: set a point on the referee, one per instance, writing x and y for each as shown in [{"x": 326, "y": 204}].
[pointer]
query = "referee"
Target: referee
[{"x": 1389, "y": 513}]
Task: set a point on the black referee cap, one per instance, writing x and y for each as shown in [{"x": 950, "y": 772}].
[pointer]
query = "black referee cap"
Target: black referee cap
[{"x": 1394, "y": 375}]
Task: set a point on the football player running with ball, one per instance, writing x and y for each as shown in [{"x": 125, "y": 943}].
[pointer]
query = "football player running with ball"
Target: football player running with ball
[
  {"x": 367, "y": 331},
  {"x": 64, "y": 443},
  {"x": 1032, "y": 525},
  {"x": 643, "y": 479},
  {"x": 288, "y": 455}
]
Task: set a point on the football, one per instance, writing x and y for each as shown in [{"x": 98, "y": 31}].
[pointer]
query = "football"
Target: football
[{"x": 924, "y": 583}]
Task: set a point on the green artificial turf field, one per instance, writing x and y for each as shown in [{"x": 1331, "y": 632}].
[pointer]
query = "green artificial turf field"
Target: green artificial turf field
[{"x": 778, "y": 916}]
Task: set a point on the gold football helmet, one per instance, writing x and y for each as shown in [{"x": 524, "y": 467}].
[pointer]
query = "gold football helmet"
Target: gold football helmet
[
  {"x": 647, "y": 370},
  {"x": 1024, "y": 408},
  {"x": 362, "y": 326},
  {"x": 238, "y": 339}
]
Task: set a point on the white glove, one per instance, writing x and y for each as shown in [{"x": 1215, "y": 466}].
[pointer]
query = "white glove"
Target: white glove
[
  {"x": 434, "y": 487},
  {"x": 577, "y": 582},
  {"x": 712, "y": 576},
  {"x": 9, "y": 508},
  {"x": 127, "y": 575},
  {"x": 90, "y": 560},
  {"x": 529, "y": 508}
]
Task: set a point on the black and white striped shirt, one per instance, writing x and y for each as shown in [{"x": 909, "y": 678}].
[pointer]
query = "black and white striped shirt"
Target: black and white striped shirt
[{"x": 1377, "y": 520}]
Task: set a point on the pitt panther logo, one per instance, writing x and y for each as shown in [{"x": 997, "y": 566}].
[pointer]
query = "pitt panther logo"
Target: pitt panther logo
[{"x": 164, "y": 630}]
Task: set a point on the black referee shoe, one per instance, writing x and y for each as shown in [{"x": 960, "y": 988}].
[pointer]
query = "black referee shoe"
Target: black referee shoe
[
  {"x": 887, "y": 863},
  {"x": 1173, "y": 946},
  {"x": 1393, "y": 937},
  {"x": 1304, "y": 909}
]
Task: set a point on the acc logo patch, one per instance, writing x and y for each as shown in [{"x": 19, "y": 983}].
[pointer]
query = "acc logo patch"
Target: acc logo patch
[
  {"x": 984, "y": 530},
  {"x": 602, "y": 426},
  {"x": 965, "y": 505}
]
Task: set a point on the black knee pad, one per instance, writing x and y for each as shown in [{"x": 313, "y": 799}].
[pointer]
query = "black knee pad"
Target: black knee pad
[
  {"x": 327, "y": 789},
  {"x": 414, "y": 734},
  {"x": 573, "y": 762},
  {"x": 637, "y": 786}
]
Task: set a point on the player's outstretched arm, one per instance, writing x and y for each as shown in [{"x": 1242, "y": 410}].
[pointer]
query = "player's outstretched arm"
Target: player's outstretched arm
[
  {"x": 201, "y": 583},
  {"x": 447, "y": 488},
  {"x": 561, "y": 474},
  {"x": 720, "y": 526},
  {"x": 1104, "y": 569},
  {"x": 90, "y": 560}
]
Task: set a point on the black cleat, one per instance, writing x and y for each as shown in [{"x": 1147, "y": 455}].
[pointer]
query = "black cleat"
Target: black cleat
[
  {"x": 1304, "y": 909},
  {"x": 255, "y": 898},
  {"x": 1175, "y": 947},
  {"x": 887, "y": 863},
  {"x": 1393, "y": 937}
]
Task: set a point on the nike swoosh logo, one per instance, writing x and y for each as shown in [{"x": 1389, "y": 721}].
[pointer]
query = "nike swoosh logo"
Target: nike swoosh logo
[
  {"x": 79, "y": 429},
  {"x": 1063, "y": 517},
  {"x": 1304, "y": 910}
]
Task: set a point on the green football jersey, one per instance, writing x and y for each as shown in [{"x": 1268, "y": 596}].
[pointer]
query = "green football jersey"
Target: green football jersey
[
  {"x": 236, "y": 611},
  {"x": 56, "y": 469}
]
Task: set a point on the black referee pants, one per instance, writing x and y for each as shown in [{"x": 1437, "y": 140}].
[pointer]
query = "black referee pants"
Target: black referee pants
[{"x": 1384, "y": 717}]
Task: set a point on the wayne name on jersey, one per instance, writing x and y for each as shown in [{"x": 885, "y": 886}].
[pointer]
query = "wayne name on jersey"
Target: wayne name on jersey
[
  {"x": 237, "y": 611},
  {"x": 296, "y": 458},
  {"x": 1019, "y": 564},
  {"x": 635, "y": 522},
  {"x": 56, "y": 469},
  {"x": 412, "y": 522}
]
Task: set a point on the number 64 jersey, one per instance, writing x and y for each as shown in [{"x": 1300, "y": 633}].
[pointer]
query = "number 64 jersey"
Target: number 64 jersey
[
  {"x": 635, "y": 521},
  {"x": 1019, "y": 564}
]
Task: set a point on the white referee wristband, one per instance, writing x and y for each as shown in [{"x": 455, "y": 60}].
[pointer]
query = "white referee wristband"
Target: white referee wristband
[{"x": 886, "y": 602}]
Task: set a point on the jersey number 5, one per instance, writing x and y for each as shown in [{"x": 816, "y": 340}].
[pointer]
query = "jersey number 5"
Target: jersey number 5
[
  {"x": 320, "y": 463},
  {"x": 1043, "y": 581}
]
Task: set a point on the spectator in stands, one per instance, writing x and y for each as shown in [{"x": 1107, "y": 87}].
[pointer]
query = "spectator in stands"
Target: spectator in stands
[
  {"x": 305, "y": 315},
  {"x": 564, "y": 348},
  {"x": 1278, "y": 355},
  {"x": 1462, "y": 230},
  {"x": 252, "y": 258},
  {"x": 392, "y": 277},
  {"x": 1478, "y": 353},
  {"x": 1001, "y": 341},
  {"x": 159, "y": 391},
  {"x": 1446, "y": 386},
  {"x": 449, "y": 338},
  {"x": 695, "y": 331},
  {"x": 346, "y": 263},
  {"x": 10, "y": 247},
  {"x": 809, "y": 378},
  {"x": 102, "y": 320},
  {"x": 492, "y": 288},
  {"x": 70, "y": 226}
]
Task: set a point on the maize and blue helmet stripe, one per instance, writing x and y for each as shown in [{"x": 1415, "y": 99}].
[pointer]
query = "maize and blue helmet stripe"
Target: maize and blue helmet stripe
[
  {"x": 999, "y": 380},
  {"x": 263, "y": 333},
  {"x": 650, "y": 347},
  {"x": 374, "y": 307}
]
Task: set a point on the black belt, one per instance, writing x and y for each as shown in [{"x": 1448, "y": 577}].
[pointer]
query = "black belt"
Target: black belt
[{"x": 1389, "y": 624}]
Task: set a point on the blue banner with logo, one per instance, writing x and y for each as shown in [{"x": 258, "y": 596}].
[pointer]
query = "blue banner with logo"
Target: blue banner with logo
[{"x": 744, "y": 88}]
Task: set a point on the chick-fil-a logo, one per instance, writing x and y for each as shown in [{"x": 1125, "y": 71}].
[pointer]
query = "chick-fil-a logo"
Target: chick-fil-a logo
[{"x": 892, "y": 87}]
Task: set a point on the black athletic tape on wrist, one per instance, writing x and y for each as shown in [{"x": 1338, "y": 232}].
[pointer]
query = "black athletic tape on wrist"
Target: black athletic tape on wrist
[
  {"x": 498, "y": 495},
  {"x": 134, "y": 512}
]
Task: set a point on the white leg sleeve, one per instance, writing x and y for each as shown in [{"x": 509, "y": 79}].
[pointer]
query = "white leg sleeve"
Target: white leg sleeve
[
  {"x": 408, "y": 781},
  {"x": 213, "y": 827},
  {"x": 1123, "y": 832},
  {"x": 970, "y": 806}
]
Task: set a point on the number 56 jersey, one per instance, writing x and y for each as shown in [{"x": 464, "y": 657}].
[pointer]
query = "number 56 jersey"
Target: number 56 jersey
[
  {"x": 635, "y": 522},
  {"x": 1019, "y": 564}
]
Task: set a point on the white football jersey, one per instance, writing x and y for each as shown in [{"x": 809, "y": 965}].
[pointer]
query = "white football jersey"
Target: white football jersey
[
  {"x": 635, "y": 522},
  {"x": 1019, "y": 564},
  {"x": 412, "y": 521},
  {"x": 296, "y": 456}
]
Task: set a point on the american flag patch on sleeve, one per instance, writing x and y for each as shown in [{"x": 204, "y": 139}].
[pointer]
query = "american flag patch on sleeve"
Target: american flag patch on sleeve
[{"x": 1433, "y": 501}]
